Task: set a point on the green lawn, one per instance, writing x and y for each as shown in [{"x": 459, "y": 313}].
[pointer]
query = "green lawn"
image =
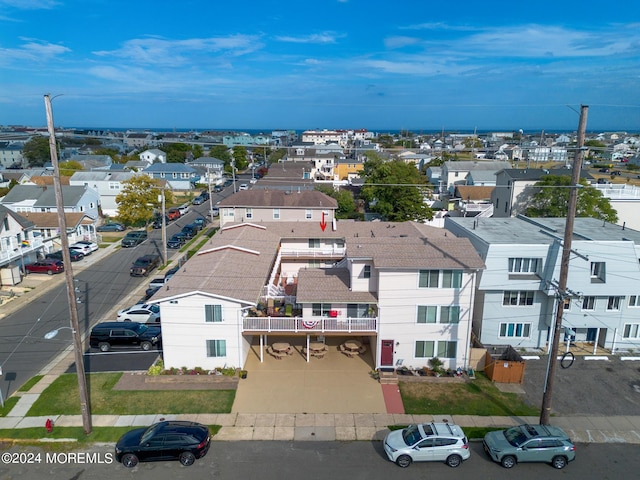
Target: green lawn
[
  {"x": 61, "y": 398},
  {"x": 30, "y": 383},
  {"x": 478, "y": 397},
  {"x": 9, "y": 403}
]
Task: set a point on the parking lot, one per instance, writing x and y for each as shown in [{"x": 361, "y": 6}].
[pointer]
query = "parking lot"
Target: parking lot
[{"x": 588, "y": 387}]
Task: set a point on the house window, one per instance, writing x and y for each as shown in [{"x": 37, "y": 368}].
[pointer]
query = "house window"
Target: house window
[
  {"x": 5, "y": 224},
  {"x": 451, "y": 278},
  {"x": 276, "y": 214},
  {"x": 227, "y": 212},
  {"x": 314, "y": 264},
  {"x": 519, "y": 298},
  {"x": 631, "y": 330},
  {"x": 366, "y": 271},
  {"x": 427, "y": 314},
  {"x": 308, "y": 214},
  {"x": 428, "y": 279},
  {"x": 314, "y": 243},
  {"x": 589, "y": 303},
  {"x": 614, "y": 303},
  {"x": 320, "y": 309},
  {"x": 174, "y": 175},
  {"x": 91, "y": 205},
  {"x": 450, "y": 314},
  {"x": 447, "y": 349},
  {"x": 567, "y": 304},
  {"x": 161, "y": 174},
  {"x": 114, "y": 185},
  {"x": 598, "y": 272},
  {"x": 515, "y": 330},
  {"x": 425, "y": 348},
  {"x": 634, "y": 301},
  {"x": 524, "y": 265},
  {"x": 213, "y": 313},
  {"x": 216, "y": 348},
  {"x": 248, "y": 213}
]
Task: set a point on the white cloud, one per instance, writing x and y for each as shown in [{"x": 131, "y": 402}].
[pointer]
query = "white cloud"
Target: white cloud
[
  {"x": 33, "y": 50},
  {"x": 399, "y": 42},
  {"x": 324, "y": 37},
  {"x": 160, "y": 51},
  {"x": 31, "y": 4}
]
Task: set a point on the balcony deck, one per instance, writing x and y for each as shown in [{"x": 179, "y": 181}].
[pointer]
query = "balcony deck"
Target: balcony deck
[{"x": 310, "y": 325}]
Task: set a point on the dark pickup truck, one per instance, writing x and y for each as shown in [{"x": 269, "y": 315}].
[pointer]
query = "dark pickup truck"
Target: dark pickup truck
[
  {"x": 133, "y": 239},
  {"x": 143, "y": 265}
]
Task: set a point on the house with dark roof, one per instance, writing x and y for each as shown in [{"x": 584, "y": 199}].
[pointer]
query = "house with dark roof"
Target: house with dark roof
[
  {"x": 80, "y": 226},
  {"x": 263, "y": 205},
  {"x": 37, "y": 198},
  {"x": 406, "y": 290}
]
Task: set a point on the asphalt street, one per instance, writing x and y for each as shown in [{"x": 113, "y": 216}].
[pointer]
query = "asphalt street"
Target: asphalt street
[
  {"x": 314, "y": 461},
  {"x": 102, "y": 288}
]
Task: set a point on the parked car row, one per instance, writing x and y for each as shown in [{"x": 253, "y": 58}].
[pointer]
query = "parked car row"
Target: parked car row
[{"x": 446, "y": 442}]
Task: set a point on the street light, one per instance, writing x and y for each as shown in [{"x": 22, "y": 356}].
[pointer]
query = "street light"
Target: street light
[
  {"x": 54, "y": 333},
  {"x": 68, "y": 273}
]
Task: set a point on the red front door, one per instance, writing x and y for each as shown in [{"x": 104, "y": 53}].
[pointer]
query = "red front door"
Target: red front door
[{"x": 386, "y": 353}]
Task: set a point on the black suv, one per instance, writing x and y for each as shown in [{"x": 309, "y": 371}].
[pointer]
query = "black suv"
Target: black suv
[
  {"x": 133, "y": 239},
  {"x": 143, "y": 265},
  {"x": 189, "y": 231},
  {"x": 109, "y": 335}
]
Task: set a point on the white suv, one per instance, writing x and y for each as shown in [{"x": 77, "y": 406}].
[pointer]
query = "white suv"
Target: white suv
[
  {"x": 142, "y": 313},
  {"x": 435, "y": 442}
]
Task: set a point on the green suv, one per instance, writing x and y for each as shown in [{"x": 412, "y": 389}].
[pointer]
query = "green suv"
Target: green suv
[
  {"x": 530, "y": 443},
  {"x": 133, "y": 239}
]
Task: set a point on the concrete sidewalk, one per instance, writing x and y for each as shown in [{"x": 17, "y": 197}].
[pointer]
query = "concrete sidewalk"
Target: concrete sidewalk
[{"x": 339, "y": 427}]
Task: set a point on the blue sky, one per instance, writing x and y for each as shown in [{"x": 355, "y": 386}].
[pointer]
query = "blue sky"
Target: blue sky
[{"x": 381, "y": 65}]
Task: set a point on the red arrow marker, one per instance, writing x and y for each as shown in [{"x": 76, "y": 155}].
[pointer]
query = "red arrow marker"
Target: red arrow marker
[{"x": 323, "y": 224}]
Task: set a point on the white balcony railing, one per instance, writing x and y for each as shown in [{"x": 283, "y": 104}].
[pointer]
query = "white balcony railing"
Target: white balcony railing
[
  {"x": 313, "y": 324},
  {"x": 328, "y": 252}
]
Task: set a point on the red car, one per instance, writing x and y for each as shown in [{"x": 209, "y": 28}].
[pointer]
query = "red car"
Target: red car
[{"x": 45, "y": 266}]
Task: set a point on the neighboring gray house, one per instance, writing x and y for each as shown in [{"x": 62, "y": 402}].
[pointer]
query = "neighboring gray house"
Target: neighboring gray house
[
  {"x": 93, "y": 162},
  {"x": 178, "y": 175},
  {"x": 11, "y": 154},
  {"x": 41, "y": 198},
  {"x": 515, "y": 187},
  {"x": 107, "y": 184},
  {"x": 515, "y": 302}
]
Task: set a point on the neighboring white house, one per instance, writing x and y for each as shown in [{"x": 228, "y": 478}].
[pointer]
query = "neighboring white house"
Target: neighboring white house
[
  {"x": 261, "y": 205},
  {"x": 41, "y": 198},
  {"x": 457, "y": 173},
  {"x": 107, "y": 184},
  {"x": 18, "y": 242},
  {"x": 405, "y": 289},
  {"x": 152, "y": 156},
  {"x": 516, "y": 297}
]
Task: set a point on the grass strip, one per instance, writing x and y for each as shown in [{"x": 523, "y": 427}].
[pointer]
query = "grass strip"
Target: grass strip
[{"x": 62, "y": 398}]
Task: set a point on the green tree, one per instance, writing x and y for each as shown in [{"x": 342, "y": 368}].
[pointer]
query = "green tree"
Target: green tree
[
  {"x": 552, "y": 200},
  {"x": 395, "y": 189},
  {"x": 240, "y": 157},
  {"x": 37, "y": 152},
  {"x": 176, "y": 152},
  {"x": 275, "y": 155},
  {"x": 221, "y": 152},
  {"x": 138, "y": 199},
  {"x": 70, "y": 167},
  {"x": 346, "y": 202},
  {"x": 197, "y": 151},
  {"x": 472, "y": 142}
]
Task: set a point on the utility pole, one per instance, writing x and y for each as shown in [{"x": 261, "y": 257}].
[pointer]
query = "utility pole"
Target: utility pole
[
  {"x": 164, "y": 228},
  {"x": 68, "y": 273},
  {"x": 545, "y": 410},
  {"x": 210, "y": 193}
]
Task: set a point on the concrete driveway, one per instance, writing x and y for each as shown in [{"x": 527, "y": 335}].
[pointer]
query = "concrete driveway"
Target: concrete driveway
[{"x": 333, "y": 384}]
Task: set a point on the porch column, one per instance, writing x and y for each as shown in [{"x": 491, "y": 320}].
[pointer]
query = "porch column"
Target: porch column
[
  {"x": 308, "y": 336},
  {"x": 261, "y": 348},
  {"x": 595, "y": 342}
]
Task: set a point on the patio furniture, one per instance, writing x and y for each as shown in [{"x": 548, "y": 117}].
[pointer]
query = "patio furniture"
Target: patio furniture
[
  {"x": 317, "y": 347},
  {"x": 281, "y": 348},
  {"x": 352, "y": 345}
]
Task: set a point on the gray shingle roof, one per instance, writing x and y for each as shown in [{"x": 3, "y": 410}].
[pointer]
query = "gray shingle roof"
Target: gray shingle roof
[
  {"x": 279, "y": 198},
  {"x": 237, "y": 261}
]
